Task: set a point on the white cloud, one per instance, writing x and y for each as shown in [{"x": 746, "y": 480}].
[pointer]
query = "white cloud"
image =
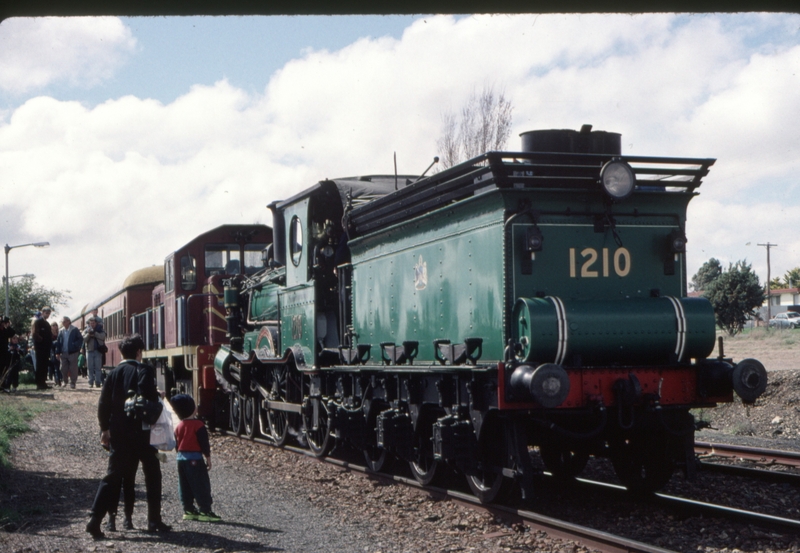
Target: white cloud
[
  {"x": 118, "y": 186},
  {"x": 35, "y": 53}
]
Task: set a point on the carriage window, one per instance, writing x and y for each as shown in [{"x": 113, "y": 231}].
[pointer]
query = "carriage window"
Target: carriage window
[
  {"x": 169, "y": 276},
  {"x": 296, "y": 240},
  {"x": 188, "y": 272},
  {"x": 252, "y": 258},
  {"x": 222, "y": 259}
]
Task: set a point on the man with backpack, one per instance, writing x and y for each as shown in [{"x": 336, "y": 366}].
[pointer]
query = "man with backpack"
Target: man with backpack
[{"x": 126, "y": 434}]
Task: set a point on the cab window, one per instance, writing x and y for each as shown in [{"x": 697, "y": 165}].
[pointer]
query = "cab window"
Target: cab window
[
  {"x": 222, "y": 259},
  {"x": 169, "y": 275},
  {"x": 188, "y": 272},
  {"x": 252, "y": 258}
]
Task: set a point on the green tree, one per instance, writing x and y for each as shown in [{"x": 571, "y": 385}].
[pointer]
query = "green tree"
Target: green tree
[
  {"x": 707, "y": 273},
  {"x": 792, "y": 278},
  {"x": 777, "y": 283},
  {"x": 735, "y": 295},
  {"x": 26, "y": 297}
]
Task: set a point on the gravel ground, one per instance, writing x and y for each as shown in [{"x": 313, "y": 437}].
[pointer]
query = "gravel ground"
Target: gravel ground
[
  {"x": 270, "y": 500},
  {"x": 273, "y": 500}
]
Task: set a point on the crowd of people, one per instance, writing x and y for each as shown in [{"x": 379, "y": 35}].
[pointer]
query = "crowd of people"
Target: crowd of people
[{"x": 59, "y": 354}]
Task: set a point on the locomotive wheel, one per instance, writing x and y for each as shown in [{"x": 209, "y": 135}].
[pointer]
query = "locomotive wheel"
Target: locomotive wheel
[
  {"x": 250, "y": 416},
  {"x": 564, "y": 464},
  {"x": 424, "y": 467},
  {"x": 319, "y": 439},
  {"x": 487, "y": 481},
  {"x": 643, "y": 466},
  {"x": 236, "y": 413},
  {"x": 278, "y": 420}
]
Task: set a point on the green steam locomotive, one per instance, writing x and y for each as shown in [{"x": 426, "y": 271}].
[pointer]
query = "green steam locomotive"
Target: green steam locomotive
[{"x": 518, "y": 303}]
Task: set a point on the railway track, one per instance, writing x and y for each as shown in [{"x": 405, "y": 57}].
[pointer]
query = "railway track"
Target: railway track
[
  {"x": 760, "y": 457},
  {"x": 595, "y": 539},
  {"x": 592, "y": 538}
]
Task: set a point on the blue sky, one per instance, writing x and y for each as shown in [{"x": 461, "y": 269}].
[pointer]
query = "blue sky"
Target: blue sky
[
  {"x": 123, "y": 138},
  {"x": 174, "y": 53}
]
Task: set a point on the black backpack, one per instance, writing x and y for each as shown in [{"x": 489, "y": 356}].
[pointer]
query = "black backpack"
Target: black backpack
[{"x": 138, "y": 407}]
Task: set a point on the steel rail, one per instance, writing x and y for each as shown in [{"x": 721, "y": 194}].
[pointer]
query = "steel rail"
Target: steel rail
[
  {"x": 764, "y": 475},
  {"x": 707, "y": 508},
  {"x": 773, "y": 456}
]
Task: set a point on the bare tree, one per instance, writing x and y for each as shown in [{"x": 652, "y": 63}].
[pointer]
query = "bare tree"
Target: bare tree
[{"x": 484, "y": 125}]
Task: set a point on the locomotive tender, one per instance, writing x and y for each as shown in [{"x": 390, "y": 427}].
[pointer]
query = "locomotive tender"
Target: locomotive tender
[{"x": 519, "y": 300}]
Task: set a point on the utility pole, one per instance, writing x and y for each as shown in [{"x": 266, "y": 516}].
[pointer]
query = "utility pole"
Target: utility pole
[{"x": 769, "y": 277}]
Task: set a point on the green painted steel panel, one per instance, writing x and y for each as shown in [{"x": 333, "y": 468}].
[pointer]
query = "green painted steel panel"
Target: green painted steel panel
[
  {"x": 297, "y": 319},
  {"x": 437, "y": 277},
  {"x": 297, "y": 264}
]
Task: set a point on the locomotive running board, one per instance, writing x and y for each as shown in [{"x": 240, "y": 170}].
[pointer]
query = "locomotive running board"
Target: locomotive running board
[{"x": 283, "y": 406}]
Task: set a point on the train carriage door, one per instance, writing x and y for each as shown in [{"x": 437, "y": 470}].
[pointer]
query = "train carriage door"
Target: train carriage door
[{"x": 170, "y": 308}]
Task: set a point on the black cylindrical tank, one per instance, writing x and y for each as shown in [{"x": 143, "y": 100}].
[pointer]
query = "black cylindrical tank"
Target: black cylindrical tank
[{"x": 568, "y": 141}]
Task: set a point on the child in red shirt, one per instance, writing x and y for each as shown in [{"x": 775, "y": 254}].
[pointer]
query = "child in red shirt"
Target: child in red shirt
[{"x": 191, "y": 437}]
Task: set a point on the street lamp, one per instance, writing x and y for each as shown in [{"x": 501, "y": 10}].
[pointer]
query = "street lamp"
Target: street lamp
[
  {"x": 26, "y": 275},
  {"x": 8, "y": 249}
]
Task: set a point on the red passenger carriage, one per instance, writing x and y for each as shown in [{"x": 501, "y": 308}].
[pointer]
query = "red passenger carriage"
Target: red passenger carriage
[{"x": 178, "y": 309}]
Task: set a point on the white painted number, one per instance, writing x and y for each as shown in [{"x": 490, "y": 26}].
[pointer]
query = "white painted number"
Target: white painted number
[{"x": 622, "y": 262}]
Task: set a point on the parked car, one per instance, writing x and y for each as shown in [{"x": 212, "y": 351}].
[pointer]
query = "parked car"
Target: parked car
[{"x": 790, "y": 319}]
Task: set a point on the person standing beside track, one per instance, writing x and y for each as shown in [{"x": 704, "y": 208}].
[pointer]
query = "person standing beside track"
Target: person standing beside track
[
  {"x": 127, "y": 438},
  {"x": 94, "y": 337},
  {"x": 71, "y": 342},
  {"x": 6, "y": 332},
  {"x": 42, "y": 336},
  {"x": 53, "y": 370}
]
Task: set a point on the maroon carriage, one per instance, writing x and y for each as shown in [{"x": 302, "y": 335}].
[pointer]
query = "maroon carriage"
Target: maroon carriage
[{"x": 185, "y": 322}]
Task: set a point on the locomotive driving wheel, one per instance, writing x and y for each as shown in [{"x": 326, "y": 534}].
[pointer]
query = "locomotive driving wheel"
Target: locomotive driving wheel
[
  {"x": 564, "y": 464},
  {"x": 486, "y": 479},
  {"x": 317, "y": 427},
  {"x": 250, "y": 416},
  {"x": 643, "y": 465},
  {"x": 423, "y": 466},
  {"x": 279, "y": 420},
  {"x": 236, "y": 412}
]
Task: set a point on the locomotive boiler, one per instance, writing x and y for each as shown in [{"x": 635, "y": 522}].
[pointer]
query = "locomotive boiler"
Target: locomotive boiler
[{"x": 519, "y": 303}]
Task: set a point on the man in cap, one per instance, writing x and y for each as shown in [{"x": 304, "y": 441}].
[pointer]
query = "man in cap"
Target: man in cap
[
  {"x": 42, "y": 336},
  {"x": 127, "y": 438}
]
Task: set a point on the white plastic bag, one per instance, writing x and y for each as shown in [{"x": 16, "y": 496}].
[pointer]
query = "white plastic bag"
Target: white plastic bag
[{"x": 162, "y": 433}]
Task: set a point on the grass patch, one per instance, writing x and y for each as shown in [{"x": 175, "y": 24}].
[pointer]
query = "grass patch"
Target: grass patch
[
  {"x": 15, "y": 412},
  {"x": 762, "y": 334}
]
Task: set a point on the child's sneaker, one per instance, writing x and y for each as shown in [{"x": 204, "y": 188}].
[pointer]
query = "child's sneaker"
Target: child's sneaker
[
  {"x": 191, "y": 515},
  {"x": 209, "y": 517}
]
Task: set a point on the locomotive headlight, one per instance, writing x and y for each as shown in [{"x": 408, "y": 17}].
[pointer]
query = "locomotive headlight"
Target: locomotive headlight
[
  {"x": 677, "y": 242},
  {"x": 618, "y": 179}
]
